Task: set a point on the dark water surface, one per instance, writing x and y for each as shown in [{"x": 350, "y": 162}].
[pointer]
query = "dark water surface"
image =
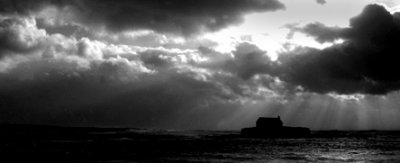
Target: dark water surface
[{"x": 55, "y": 144}]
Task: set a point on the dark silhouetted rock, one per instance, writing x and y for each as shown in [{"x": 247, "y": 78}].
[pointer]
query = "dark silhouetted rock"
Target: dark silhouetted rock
[{"x": 273, "y": 128}]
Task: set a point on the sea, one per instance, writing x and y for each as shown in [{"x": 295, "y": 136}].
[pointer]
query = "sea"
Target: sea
[{"x": 31, "y": 143}]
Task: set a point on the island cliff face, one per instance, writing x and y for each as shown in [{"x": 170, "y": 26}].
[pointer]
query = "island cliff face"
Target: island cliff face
[{"x": 273, "y": 127}]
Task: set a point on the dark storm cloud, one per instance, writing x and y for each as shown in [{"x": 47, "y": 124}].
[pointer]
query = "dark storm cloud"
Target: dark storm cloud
[
  {"x": 366, "y": 62},
  {"x": 318, "y": 30},
  {"x": 249, "y": 60},
  {"x": 185, "y": 17}
]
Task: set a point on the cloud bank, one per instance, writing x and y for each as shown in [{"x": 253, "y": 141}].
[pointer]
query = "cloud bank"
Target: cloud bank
[{"x": 64, "y": 68}]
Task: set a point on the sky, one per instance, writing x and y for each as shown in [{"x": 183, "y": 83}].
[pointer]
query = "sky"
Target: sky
[{"x": 200, "y": 64}]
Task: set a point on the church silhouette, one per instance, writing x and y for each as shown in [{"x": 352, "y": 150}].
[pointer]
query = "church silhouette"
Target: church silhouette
[{"x": 273, "y": 128}]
